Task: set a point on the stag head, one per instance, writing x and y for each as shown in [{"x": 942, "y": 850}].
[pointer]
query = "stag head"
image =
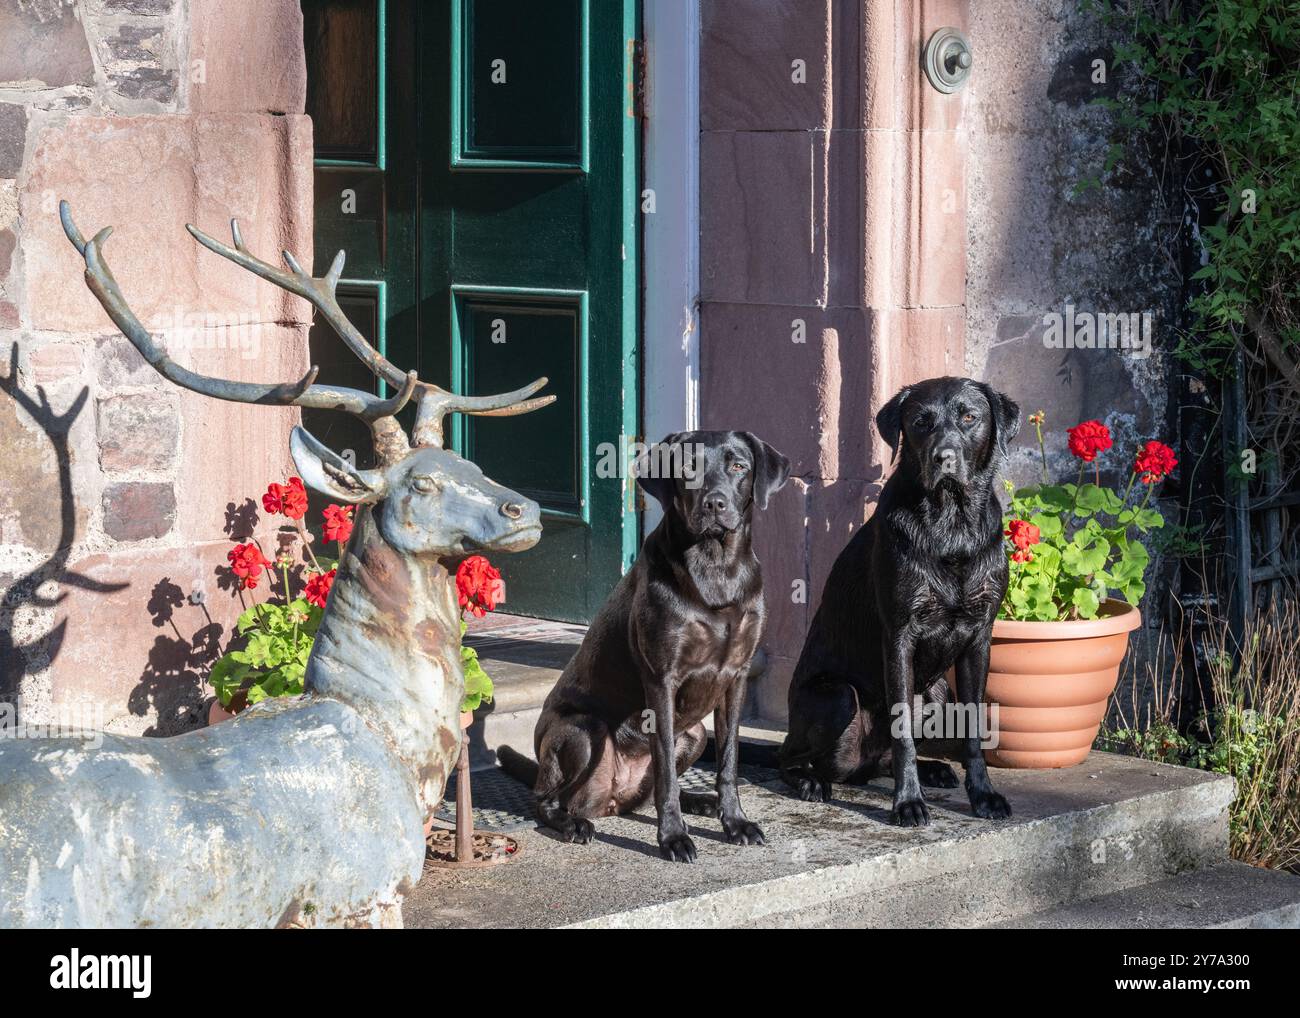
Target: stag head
[{"x": 430, "y": 501}]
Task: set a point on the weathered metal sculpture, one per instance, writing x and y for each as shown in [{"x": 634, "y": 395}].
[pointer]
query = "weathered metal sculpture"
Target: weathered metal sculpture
[{"x": 299, "y": 811}]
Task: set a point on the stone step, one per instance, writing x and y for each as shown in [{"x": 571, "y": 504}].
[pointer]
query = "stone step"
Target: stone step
[
  {"x": 524, "y": 657},
  {"x": 1230, "y": 896},
  {"x": 1110, "y": 824}
]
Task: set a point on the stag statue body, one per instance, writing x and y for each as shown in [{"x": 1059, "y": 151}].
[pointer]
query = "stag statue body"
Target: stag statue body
[{"x": 305, "y": 810}]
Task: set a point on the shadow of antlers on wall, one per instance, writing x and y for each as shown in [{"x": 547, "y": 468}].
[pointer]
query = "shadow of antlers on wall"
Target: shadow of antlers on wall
[{"x": 171, "y": 683}]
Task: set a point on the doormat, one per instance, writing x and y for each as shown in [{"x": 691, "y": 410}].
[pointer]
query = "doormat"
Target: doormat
[{"x": 503, "y": 804}]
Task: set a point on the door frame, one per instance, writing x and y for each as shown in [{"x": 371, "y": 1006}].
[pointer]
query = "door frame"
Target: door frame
[{"x": 670, "y": 327}]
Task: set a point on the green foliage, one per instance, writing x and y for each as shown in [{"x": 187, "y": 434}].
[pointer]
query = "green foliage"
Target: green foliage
[
  {"x": 273, "y": 661},
  {"x": 478, "y": 687},
  {"x": 1086, "y": 553},
  {"x": 1224, "y": 75}
]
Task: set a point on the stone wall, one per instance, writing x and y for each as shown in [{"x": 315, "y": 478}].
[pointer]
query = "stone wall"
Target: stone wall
[
  {"x": 117, "y": 490},
  {"x": 833, "y": 261},
  {"x": 1042, "y": 237}
]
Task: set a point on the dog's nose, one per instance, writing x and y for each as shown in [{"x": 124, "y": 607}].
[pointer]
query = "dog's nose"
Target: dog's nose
[
  {"x": 512, "y": 510},
  {"x": 715, "y": 502},
  {"x": 945, "y": 458}
]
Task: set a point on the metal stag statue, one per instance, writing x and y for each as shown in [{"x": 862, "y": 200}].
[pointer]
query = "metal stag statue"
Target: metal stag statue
[{"x": 299, "y": 811}]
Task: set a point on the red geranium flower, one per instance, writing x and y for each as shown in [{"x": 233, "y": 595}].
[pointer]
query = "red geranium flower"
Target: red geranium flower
[
  {"x": 318, "y": 587},
  {"x": 290, "y": 499},
  {"x": 1155, "y": 461},
  {"x": 1022, "y": 534},
  {"x": 1088, "y": 439},
  {"x": 338, "y": 522},
  {"x": 478, "y": 585},
  {"x": 247, "y": 562}
]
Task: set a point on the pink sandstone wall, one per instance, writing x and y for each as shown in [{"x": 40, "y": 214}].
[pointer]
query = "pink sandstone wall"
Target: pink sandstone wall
[
  {"x": 838, "y": 203},
  {"x": 145, "y": 115}
]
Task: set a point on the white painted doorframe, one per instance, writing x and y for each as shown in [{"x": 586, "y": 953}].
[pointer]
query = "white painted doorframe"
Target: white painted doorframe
[{"x": 671, "y": 333}]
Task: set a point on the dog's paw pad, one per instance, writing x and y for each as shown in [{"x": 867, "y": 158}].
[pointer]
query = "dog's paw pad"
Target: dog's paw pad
[
  {"x": 990, "y": 806},
  {"x": 910, "y": 813},
  {"x": 742, "y": 832},
  {"x": 677, "y": 848}
]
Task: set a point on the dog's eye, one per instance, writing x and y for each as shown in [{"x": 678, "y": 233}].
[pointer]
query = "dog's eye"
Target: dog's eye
[
  {"x": 968, "y": 418},
  {"x": 738, "y": 467},
  {"x": 424, "y": 484}
]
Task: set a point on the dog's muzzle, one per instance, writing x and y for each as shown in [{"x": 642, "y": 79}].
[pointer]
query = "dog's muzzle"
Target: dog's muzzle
[{"x": 944, "y": 462}]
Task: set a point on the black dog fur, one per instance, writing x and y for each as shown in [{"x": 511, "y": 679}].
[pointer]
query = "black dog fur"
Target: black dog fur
[
  {"x": 672, "y": 643},
  {"x": 912, "y": 594}
]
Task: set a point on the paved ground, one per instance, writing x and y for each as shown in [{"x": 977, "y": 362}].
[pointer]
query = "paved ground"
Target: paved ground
[{"x": 1149, "y": 821}]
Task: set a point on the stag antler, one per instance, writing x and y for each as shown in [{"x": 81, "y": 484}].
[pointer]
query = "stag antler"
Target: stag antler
[
  {"x": 305, "y": 392},
  {"x": 433, "y": 402},
  {"x": 390, "y": 441}
]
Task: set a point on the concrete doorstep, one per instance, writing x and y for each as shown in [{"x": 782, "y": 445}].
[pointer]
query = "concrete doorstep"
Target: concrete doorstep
[{"x": 1082, "y": 835}]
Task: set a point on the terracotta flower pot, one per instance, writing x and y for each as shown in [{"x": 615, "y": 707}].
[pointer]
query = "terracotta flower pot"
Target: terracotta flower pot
[{"x": 1052, "y": 682}]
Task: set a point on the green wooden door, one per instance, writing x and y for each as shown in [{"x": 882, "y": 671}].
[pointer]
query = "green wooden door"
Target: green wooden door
[{"x": 493, "y": 238}]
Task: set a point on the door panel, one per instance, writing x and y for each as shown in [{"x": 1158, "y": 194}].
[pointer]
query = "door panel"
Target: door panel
[{"x": 492, "y": 238}]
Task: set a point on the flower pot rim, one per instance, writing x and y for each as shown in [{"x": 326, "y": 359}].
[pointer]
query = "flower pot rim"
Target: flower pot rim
[{"x": 1119, "y": 617}]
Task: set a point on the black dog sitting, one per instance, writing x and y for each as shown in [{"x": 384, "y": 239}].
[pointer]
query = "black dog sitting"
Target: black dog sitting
[
  {"x": 912, "y": 594},
  {"x": 672, "y": 644}
]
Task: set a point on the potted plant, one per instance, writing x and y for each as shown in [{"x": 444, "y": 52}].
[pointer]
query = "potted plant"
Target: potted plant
[
  {"x": 1077, "y": 564},
  {"x": 479, "y": 590},
  {"x": 275, "y": 635}
]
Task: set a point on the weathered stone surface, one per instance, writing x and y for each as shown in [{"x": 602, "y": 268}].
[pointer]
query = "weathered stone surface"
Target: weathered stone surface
[
  {"x": 250, "y": 56},
  {"x": 199, "y": 169},
  {"x": 141, "y": 6},
  {"x": 30, "y": 501},
  {"x": 1072, "y": 81},
  {"x": 119, "y": 363},
  {"x": 8, "y": 241},
  {"x": 242, "y": 448},
  {"x": 163, "y": 644},
  {"x": 135, "y": 42},
  {"x": 747, "y": 54},
  {"x": 13, "y": 138},
  {"x": 827, "y": 377},
  {"x": 137, "y": 510},
  {"x": 762, "y": 217},
  {"x": 781, "y": 544},
  {"x": 138, "y": 431},
  {"x": 44, "y": 41},
  {"x": 153, "y": 83},
  {"x": 56, "y": 362},
  {"x": 9, "y": 318}
]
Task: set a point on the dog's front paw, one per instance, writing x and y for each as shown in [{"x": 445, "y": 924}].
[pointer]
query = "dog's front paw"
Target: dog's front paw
[
  {"x": 989, "y": 805},
  {"x": 936, "y": 774},
  {"x": 740, "y": 831},
  {"x": 580, "y": 833},
  {"x": 700, "y": 804},
  {"x": 677, "y": 847},
  {"x": 811, "y": 789},
  {"x": 910, "y": 813}
]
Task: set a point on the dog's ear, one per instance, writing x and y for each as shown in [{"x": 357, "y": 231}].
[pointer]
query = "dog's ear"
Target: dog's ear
[
  {"x": 648, "y": 475},
  {"x": 889, "y": 421},
  {"x": 771, "y": 469},
  {"x": 1006, "y": 417}
]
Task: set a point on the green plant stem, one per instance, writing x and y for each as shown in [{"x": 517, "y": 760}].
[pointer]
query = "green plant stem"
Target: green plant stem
[{"x": 1042, "y": 450}]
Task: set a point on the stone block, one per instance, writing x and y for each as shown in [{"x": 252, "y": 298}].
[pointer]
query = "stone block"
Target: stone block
[
  {"x": 56, "y": 362},
  {"x": 138, "y": 431},
  {"x": 781, "y": 544},
  {"x": 203, "y": 170},
  {"x": 13, "y": 138},
  {"x": 162, "y": 645},
  {"x": 251, "y": 56},
  {"x": 748, "y": 50},
  {"x": 118, "y": 363},
  {"x": 763, "y": 217},
  {"x": 8, "y": 242},
  {"x": 44, "y": 41},
  {"x": 138, "y": 510}
]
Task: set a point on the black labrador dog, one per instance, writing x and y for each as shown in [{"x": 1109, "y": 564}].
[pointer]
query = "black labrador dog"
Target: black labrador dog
[
  {"x": 912, "y": 594},
  {"x": 672, "y": 644}
]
